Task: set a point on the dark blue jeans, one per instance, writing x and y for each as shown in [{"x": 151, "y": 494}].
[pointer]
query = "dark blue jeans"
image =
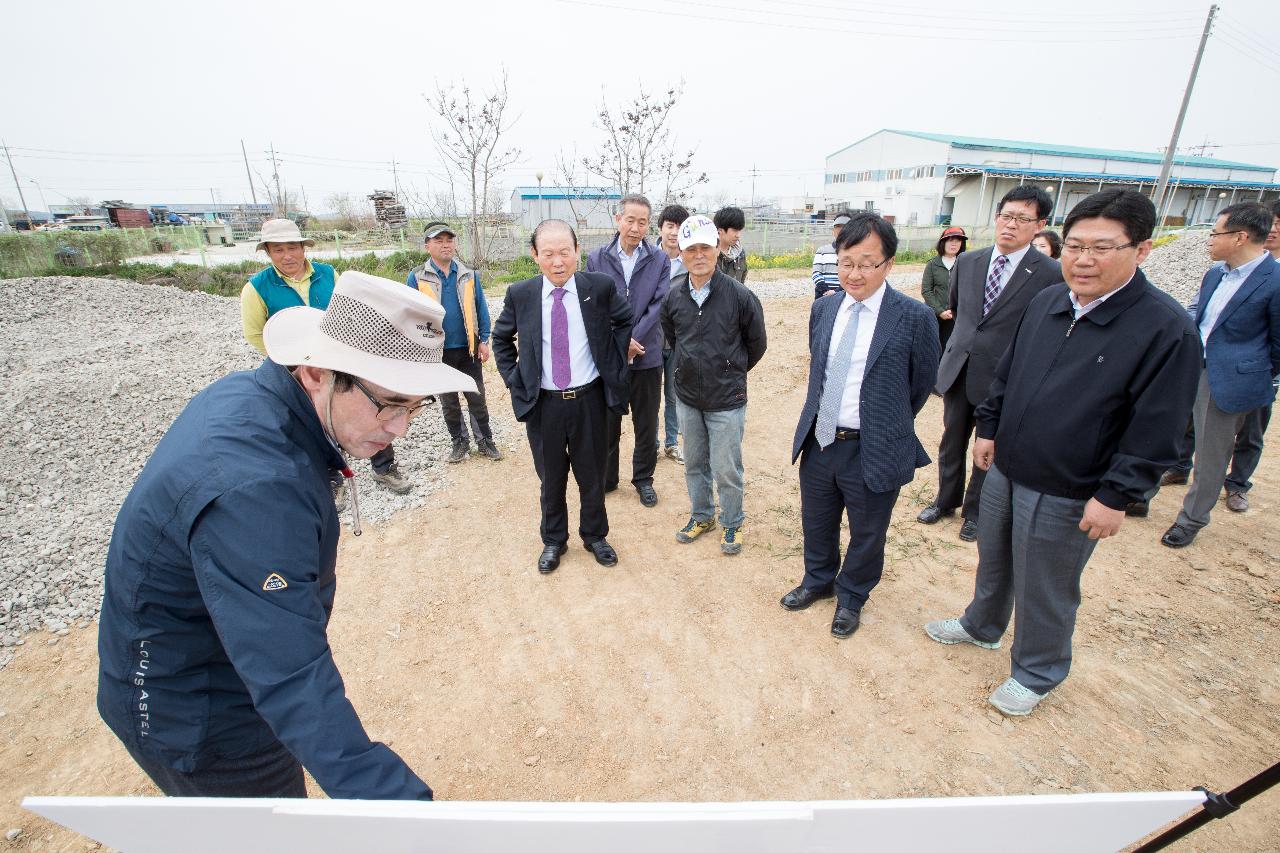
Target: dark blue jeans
[{"x": 273, "y": 772}]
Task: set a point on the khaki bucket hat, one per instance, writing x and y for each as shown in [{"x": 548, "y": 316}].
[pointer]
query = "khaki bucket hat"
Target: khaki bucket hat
[
  {"x": 374, "y": 329},
  {"x": 281, "y": 231}
]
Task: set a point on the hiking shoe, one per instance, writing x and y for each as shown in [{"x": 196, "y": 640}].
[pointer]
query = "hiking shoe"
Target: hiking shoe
[
  {"x": 459, "y": 452},
  {"x": 393, "y": 480},
  {"x": 488, "y": 449},
  {"x": 693, "y": 530},
  {"x": 672, "y": 452},
  {"x": 950, "y": 632},
  {"x": 731, "y": 540},
  {"x": 1014, "y": 700},
  {"x": 339, "y": 495}
]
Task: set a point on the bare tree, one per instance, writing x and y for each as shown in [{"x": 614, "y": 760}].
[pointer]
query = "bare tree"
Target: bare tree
[
  {"x": 469, "y": 136},
  {"x": 581, "y": 205},
  {"x": 349, "y": 214},
  {"x": 640, "y": 152}
]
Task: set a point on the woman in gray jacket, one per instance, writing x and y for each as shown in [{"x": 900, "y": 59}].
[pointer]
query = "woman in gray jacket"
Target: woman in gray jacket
[{"x": 936, "y": 286}]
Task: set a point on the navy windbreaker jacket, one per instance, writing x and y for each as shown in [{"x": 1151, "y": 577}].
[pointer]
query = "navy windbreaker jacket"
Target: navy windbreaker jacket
[{"x": 219, "y": 583}]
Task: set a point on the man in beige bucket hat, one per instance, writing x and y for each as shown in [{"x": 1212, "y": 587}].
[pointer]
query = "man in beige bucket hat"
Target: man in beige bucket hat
[
  {"x": 292, "y": 280},
  {"x": 215, "y": 668}
]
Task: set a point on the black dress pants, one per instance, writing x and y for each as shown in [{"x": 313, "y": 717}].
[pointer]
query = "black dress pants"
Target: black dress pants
[
  {"x": 958, "y": 424},
  {"x": 646, "y": 398},
  {"x": 569, "y": 435}
]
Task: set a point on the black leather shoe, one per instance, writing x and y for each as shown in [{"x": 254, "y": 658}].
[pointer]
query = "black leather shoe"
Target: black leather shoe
[
  {"x": 800, "y": 598},
  {"x": 1173, "y": 478},
  {"x": 1137, "y": 509},
  {"x": 550, "y": 558},
  {"x": 608, "y": 488},
  {"x": 969, "y": 531},
  {"x": 648, "y": 496},
  {"x": 933, "y": 513},
  {"x": 845, "y": 623},
  {"x": 605, "y": 555},
  {"x": 1178, "y": 536}
]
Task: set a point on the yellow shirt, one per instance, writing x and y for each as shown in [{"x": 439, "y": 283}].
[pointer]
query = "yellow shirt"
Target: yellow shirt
[{"x": 253, "y": 311}]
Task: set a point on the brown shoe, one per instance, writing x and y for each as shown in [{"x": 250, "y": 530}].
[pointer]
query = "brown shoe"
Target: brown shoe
[
  {"x": 1173, "y": 478},
  {"x": 1237, "y": 502}
]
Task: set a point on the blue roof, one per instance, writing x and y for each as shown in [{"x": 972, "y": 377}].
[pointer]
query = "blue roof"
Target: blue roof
[
  {"x": 568, "y": 192},
  {"x": 1111, "y": 177},
  {"x": 978, "y": 142}
]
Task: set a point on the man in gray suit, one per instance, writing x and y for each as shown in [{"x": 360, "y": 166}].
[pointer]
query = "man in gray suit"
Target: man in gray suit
[
  {"x": 990, "y": 288},
  {"x": 873, "y": 360}
]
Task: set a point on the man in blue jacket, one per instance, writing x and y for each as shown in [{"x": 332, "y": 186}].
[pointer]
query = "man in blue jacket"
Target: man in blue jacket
[
  {"x": 641, "y": 274},
  {"x": 1238, "y": 315},
  {"x": 214, "y": 663}
]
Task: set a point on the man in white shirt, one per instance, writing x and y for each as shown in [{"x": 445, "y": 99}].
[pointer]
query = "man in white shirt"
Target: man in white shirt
[{"x": 873, "y": 362}]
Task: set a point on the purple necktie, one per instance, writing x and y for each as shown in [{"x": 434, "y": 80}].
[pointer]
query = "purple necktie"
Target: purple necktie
[
  {"x": 561, "y": 372},
  {"x": 994, "y": 284}
]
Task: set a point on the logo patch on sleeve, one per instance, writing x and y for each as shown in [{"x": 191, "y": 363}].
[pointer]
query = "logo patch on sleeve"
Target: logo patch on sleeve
[{"x": 273, "y": 583}]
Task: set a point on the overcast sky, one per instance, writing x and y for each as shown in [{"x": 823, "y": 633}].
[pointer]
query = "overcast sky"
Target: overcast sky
[{"x": 148, "y": 102}]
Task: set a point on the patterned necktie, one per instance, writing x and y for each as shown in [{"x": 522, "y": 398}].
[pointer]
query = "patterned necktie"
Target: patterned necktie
[
  {"x": 561, "y": 372},
  {"x": 824, "y": 428},
  {"x": 994, "y": 283}
]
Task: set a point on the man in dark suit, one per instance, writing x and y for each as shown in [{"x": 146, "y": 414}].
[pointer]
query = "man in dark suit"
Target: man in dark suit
[
  {"x": 990, "y": 288},
  {"x": 567, "y": 373},
  {"x": 1238, "y": 315},
  {"x": 873, "y": 361},
  {"x": 641, "y": 273}
]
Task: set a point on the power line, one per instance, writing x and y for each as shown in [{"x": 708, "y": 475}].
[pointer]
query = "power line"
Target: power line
[
  {"x": 1249, "y": 37},
  {"x": 1248, "y": 53},
  {"x": 997, "y": 16}
]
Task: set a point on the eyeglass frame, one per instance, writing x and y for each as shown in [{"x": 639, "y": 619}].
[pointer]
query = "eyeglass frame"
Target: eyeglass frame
[
  {"x": 410, "y": 412},
  {"x": 1225, "y": 233},
  {"x": 862, "y": 268},
  {"x": 1006, "y": 218},
  {"x": 1098, "y": 252}
]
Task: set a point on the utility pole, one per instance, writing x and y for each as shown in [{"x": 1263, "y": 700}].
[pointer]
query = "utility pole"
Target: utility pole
[
  {"x": 1162, "y": 184},
  {"x": 275, "y": 176},
  {"x": 252, "y": 193},
  {"x": 753, "y": 188},
  {"x": 31, "y": 226},
  {"x": 395, "y": 177}
]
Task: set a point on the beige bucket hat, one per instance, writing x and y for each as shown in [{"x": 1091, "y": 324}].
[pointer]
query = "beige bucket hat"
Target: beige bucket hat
[
  {"x": 281, "y": 231},
  {"x": 374, "y": 329}
]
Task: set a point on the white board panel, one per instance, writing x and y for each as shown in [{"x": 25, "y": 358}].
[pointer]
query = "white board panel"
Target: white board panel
[{"x": 1077, "y": 823}]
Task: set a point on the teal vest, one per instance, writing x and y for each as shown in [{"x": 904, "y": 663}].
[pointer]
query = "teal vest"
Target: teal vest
[{"x": 277, "y": 294}]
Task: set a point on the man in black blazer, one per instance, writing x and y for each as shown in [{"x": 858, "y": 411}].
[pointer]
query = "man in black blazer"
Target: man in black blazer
[
  {"x": 990, "y": 288},
  {"x": 873, "y": 361},
  {"x": 569, "y": 369}
]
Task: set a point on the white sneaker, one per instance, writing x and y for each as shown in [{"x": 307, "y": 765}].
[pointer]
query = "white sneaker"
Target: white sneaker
[
  {"x": 1013, "y": 699},
  {"x": 950, "y": 632},
  {"x": 672, "y": 452}
]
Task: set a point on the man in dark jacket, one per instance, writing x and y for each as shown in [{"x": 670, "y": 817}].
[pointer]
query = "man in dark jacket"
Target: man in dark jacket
[
  {"x": 716, "y": 327},
  {"x": 990, "y": 288},
  {"x": 1084, "y": 414},
  {"x": 641, "y": 274},
  {"x": 730, "y": 223},
  {"x": 215, "y": 667}
]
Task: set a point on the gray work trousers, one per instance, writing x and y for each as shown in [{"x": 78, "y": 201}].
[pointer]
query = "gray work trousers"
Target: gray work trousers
[
  {"x": 1215, "y": 442},
  {"x": 1031, "y": 553}
]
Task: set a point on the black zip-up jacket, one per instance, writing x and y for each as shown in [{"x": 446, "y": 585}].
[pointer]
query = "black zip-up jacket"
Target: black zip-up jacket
[
  {"x": 1094, "y": 407},
  {"x": 716, "y": 344}
]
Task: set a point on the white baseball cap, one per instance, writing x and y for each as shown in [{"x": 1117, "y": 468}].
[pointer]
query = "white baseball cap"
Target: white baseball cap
[
  {"x": 698, "y": 229},
  {"x": 375, "y": 329}
]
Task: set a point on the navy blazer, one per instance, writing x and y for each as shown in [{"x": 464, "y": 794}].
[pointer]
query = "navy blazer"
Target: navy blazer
[
  {"x": 902, "y": 366},
  {"x": 606, "y": 317},
  {"x": 650, "y": 281},
  {"x": 1242, "y": 351}
]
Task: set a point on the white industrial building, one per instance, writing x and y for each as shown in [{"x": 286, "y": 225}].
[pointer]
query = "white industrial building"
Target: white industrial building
[
  {"x": 585, "y": 207},
  {"x": 937, "y": 179}
]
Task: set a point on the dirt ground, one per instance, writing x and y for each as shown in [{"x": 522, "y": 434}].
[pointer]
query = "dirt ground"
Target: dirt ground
[{"x": 676, "y": 675}]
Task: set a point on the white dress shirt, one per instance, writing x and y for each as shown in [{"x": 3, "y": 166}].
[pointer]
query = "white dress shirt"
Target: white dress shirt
[
  {"x": 677, "y": 266},
  {"x": 629, "y": 264},
  {"x": 581, "y": 364},
  {"x": 849, "y": 403},
  {"x": 1081, "y": 310},
  {"x": 1222, "y": 295},
  {"x": 1015, "y": 258}
]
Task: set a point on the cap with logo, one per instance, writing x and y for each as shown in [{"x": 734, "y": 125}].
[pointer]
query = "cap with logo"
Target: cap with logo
[
  {"x": 435, "y": 229},
  {"x": 698, "y": 230}
]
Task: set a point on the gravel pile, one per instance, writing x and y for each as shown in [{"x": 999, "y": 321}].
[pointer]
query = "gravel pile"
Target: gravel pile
[
  {"x": 1178, "y": 267},
  {"x": 95, "y": 371}
]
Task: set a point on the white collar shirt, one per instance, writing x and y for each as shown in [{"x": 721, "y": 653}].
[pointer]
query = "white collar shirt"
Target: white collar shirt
[
  {"x": 677, "y": 266},
  {"x": 581, "y": 364},
  {"x": 850, "y": 408},
  {"x": 1226, "y": 289},
  {"x": 1015, "y": 258},
  {"x": 629, "y": 263},
  {"x": 1081, "y": 310}
]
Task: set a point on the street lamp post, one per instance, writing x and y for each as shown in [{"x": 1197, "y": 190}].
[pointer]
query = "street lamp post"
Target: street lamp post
[
  {"x": 43, "y": 200},
  {"x": 542, "y": 212}
]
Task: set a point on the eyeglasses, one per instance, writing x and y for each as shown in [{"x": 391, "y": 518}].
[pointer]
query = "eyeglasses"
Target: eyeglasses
[
  {"x": 1098, "y": 252},
  {"x": 1225, "y": 233},
  {"x": 865, "y": 269},
  {"x": 1007, "y": 218},
  {"x": 391, "y": 411}
]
